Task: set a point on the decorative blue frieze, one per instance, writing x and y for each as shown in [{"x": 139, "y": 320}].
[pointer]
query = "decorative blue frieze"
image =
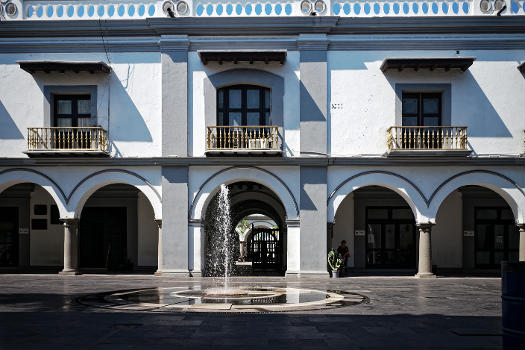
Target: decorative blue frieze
[{"x": 128, "y": 9}]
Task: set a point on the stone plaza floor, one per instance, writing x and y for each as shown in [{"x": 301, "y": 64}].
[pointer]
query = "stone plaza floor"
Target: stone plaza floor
[{"x": 45, "y": 311}]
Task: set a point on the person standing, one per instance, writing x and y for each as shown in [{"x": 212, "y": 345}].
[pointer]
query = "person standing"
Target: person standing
[{"x": 343, "y": 251}]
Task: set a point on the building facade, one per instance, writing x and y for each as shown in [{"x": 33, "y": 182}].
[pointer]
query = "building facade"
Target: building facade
[{"x": 395, "y": 125}]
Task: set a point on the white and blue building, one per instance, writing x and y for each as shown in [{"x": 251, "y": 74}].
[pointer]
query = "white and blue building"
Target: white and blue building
[{"x": 397, "y": 125}]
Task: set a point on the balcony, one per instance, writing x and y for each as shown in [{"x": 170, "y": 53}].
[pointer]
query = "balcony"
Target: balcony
[
  {"x": 67, "y": 141},
  {"x": 243, "y": 140},
  {"x": 427, "y": 140}
]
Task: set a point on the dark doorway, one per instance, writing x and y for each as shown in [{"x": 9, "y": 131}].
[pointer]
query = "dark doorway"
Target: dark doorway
[
  {"x": 265, "y": 249},
  {"x": 8, "y": 236},
  {"x": 390, "y": 237},
  {"x": 103, "y": 237},
  {"x": 497, "y": 237}
]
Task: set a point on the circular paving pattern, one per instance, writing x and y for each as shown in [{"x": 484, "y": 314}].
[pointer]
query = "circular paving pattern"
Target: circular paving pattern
[{"x": 237, "y": 299}]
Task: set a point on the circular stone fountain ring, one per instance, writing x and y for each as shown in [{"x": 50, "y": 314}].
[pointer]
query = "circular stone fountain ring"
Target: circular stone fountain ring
[{"x": 235, "y": 299}]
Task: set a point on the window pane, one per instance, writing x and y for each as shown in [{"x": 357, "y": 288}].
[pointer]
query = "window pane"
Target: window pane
[
  {"x": 390, "y": 236},
  {"x": 220, "y": 98},
  {"x": 430, "y": 121},
  {"x": 514, "y": 237},
  {"x": 253, "y": 98},
  {"x": 252, "y": 118},
  {"x": 486, "y": 214},
  {"x": 84, "y": 122},
  {"x": 430, "y": 105},
  {"x": 64, "y": 122},
  {"x": 406, "y": 236},
  {"x": 235, "y": 119},
  {"x": 374, "y": 236},
  {"x": 402, "y": 214},
  {"x": 513, "y": 256},
  {"x": 499, "y": 242},
  {"x": 409, "y": 121},
  {"x": 267, "y": 98},
  {"x": 235, "y": 98},
  {"x": 378, "y": 213},
  {"x": 64, "y": 107},
  {"x": 267, "y": 118},
  {"x": 506, "y": 214},
  {"x": 84, "y": 106},
  {"x": 498, "y": 257},
  {"x": 482, "y": 237},
  {"x": 409, "y": 105}
]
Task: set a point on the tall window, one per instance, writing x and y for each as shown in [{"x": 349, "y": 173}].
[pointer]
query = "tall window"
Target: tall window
[
  {"x": 421, "y": 109},
  {"x": 72, "y": 110},
  {"x": 243, "y": 105}
]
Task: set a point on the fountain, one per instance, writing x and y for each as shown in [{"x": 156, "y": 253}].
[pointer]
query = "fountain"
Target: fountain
[{"x": 222, "y": 296}]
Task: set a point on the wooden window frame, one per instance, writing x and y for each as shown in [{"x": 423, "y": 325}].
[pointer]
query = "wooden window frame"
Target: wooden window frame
[{"x": 244, "y": 110}]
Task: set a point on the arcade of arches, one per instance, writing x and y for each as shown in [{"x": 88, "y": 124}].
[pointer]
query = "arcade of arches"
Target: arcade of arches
[{"x": 475, "y": 230}]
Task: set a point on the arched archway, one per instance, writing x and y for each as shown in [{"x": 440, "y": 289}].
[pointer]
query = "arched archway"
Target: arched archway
[
  {"x": 379, "y": 227},
  {"x": 475, "y": 230},
  {"x": 117, "y": 230},
  {"x": 246, "y": 198},
  {"x": 31, "y": 233},
  {"x": 399, "y": 184}
]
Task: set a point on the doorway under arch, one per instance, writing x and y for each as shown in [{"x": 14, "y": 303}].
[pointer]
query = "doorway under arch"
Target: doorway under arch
[{"x": 247, "y": 200}]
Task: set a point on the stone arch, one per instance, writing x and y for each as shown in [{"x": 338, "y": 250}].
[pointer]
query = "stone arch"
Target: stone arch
[
  {"x": 505, "y": 187},
  {"x": 244, "y": 76},
  {"x": 11, "y": 177},
  {"x": 238, "y": 174},
  {"x": 397, "y": 183},
  {"x": 91, "y": 183}
]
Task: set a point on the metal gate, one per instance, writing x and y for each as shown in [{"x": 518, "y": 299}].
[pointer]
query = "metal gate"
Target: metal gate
[{"x": 265, "y": 248}]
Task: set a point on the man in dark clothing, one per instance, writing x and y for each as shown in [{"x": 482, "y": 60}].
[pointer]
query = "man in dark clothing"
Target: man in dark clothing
[{"x": 342, "y": 250}]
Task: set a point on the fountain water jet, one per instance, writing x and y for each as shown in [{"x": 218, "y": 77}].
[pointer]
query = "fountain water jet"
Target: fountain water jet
[{"x": 223, "y": 225}]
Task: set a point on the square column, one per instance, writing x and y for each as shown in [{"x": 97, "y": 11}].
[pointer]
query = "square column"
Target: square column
[
  {"x": 70, "y": 247},
  {"x": 174, "y": 238},
  {"x": 313, "y": 218},
  {"x": 174, "y": 59},
  {"x": 424, "y": 269},
  {"x": 196, "y": 247},
  {"x": 293, "y": 243}
]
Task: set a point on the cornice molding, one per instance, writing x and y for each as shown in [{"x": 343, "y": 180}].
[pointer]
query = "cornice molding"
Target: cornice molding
[
  {"x": 265, "y": 26},
  {"x": 265, "y": 161}
]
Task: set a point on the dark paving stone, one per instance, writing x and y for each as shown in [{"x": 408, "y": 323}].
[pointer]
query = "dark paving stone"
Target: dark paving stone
[{"x": 42, "y": 311}]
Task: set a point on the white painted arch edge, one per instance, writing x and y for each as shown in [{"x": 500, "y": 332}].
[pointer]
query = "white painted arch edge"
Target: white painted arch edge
[
  {"x": 82, "y": 193},
  {"x": 11, "y": 178},
  {"x": 232, "y": 175},
  {"x": 403, "y": 188},
  {"x": 501, "y": 186}
]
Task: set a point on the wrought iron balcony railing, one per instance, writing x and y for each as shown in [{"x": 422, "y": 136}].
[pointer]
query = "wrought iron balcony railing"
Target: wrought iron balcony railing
[
  {"x": 427, "y": 138},
  {"x": 68, "y": 139},
  {"x": 243, "y": 138}
]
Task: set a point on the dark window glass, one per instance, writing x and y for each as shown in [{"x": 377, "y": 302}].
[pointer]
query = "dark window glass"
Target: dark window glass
[
  {"x": 243, "y": 105},
  {"x": 72, "y": 110},
  {"x": 421, "y": 109},
  {"x": 40, "y": 209},
  {"x": 55, "y": 216}
]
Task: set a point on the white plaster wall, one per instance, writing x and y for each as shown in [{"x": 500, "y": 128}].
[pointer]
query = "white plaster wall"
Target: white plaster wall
[
  {"x": 46, "y": 246},
  {"x": 344, "y": 227},
  {"x": 291, "y": 99},
  {"x": 128, "y": 100},
  {"x": 487, "y": 99},
  {"x": 147, "y": 231},
  {"x": 447, "y": 235}
]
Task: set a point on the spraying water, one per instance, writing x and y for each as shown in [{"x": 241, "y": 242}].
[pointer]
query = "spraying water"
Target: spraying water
[{"x": 224, "y": 226}]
